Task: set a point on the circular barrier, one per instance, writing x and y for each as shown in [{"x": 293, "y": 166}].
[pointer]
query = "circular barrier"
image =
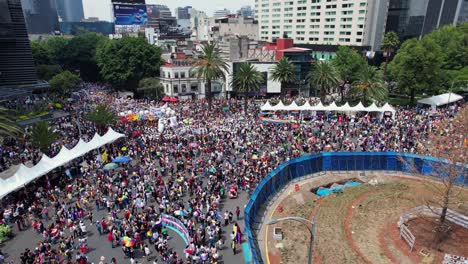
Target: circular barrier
[{"x": 333, "y": 161}]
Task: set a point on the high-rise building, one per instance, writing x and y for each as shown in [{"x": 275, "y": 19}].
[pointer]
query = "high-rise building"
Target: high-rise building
[
  {"x": 183, "y": 12},
  {"x": 463, "y": 16},
  {"x": 246, "y": 11},
  {"x": 16, "y": 61},
  {"x": 41, "y": 16},
  {"x": 221, "y": 13},
  {"x": 70, "y": 10},
  {"x": 160, "y": 18},
  {"x": 338, "y": 22},
  {"x": 416, "y": 18}
]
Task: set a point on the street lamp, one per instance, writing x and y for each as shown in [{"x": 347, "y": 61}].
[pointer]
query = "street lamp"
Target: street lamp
[
  {"x": 451, "y": 89},
  {"x": 307, "y": 223}
]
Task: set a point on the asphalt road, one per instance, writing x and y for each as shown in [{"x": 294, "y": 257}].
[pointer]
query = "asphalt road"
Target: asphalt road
[{"x": 99, "y": 246}]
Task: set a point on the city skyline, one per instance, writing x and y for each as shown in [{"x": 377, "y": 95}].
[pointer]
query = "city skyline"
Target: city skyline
[{"x": 102, "y": 10}]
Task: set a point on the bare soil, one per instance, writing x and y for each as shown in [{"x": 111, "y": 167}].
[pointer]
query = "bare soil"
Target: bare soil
[
  {"x": 455, "y": 243},
  {"x": 359, "y": 225}
]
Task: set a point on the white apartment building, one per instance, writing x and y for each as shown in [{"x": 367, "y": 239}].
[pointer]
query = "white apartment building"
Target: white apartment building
[
  {"x": 178, "y": 82},
  {"x": 334, "y": 22}
]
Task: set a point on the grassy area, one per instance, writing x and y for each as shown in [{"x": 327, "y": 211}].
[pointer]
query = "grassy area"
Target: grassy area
[{"x": 399, "y": 101}]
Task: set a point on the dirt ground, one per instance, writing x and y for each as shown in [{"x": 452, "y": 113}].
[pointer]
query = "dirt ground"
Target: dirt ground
[
  {"x": 359, "y": 225},
  {"x": 456, "y": 243}
]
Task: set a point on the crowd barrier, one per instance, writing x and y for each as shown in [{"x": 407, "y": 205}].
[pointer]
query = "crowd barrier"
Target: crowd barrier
[{"x": 335, "y": 161}]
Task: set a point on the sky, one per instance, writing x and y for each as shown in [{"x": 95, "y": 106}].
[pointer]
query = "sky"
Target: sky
[{"x": 102, "y": 8}]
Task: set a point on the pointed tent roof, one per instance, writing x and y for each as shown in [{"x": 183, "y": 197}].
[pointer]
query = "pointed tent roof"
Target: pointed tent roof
[
  {"x": 359, "y": 107},
  {"x": 267, "y": 106},
  {"x": 278, "y": 106},
  {"x": 373, "y": 108},
  {"x": 306, "y": 106}
]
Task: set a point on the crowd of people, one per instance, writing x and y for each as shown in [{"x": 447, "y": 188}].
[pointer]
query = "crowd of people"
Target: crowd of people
[{"x": 184, "y": 171}]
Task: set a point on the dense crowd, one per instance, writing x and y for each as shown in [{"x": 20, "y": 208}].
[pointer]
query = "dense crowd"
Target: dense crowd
[{"x": 184, "y": 171}]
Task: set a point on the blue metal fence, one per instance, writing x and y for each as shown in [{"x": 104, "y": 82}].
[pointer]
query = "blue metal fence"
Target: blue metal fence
[{"x": 334, "y": 161}]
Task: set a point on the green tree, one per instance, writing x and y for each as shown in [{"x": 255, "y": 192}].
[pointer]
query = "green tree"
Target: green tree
[
  {"x": 152, "y": 88},
  {"x": 389, "y": 45},
  {"x": 42, "y": 136},
  {"x": 81, "y": 54},
  {"x": 454, "y": 51},
  {"x": 247, "y": 80},
  {"x": 284, "y": 71},
  {"x": 64, "y": 82},
  {"x": 102, "y": 116},
  {"x": 42, "y": 54},
  {"x": 347, "y": 63},
  {"x": 417, "y": 67},
  {"x": 323, "y": 77},
  {"x": 124, "y": 62},
  {"x": 369, "y": 85},
  {"x": 210, "y": 67},
  {"x": 46, "y": 72},
  {"x": 8, "y": 126},
  {"x": 58, "y": 47}
]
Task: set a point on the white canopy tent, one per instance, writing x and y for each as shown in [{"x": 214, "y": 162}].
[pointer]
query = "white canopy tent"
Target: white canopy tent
[
  {"x": 332, "y": 107},
  {"x": 439, "y": 100},
  {"x": 25, "y": 175}
]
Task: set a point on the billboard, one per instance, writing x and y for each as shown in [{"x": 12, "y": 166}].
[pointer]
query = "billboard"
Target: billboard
[
  {"x": 130, "y": 14},
  {"x": 129, "y": 1}
]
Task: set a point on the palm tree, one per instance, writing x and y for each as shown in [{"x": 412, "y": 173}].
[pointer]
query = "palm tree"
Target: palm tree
[
  {"x": 323, "y": 76},
  {"x": 8, "y": 127},
  {"x": 210, "y": 66},
  {"x": 284, "y": 71},
  {"x": 151, "y": 87},
  {"x": 43, "y": 136},
  {"x": 369, "y": 84},
  {"x": 248, "y": 79},
  {"x": 101, "y": 116},
  {"x": 389, "y": 44}
]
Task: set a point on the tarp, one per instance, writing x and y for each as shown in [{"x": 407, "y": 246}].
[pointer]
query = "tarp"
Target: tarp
[
  {"x": 25, "y": 175},
  {"x": 332, "y": 107},
  {"x": 442, "y": 99}
]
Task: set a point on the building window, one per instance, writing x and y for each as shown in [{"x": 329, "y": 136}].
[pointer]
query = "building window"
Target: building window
[
  {"x": 194, "y": 87},
  {"x": 182, "y": 75},
  {"x": 176, "y": 75},
  {"x": 184, "y": 88},
  {"x": 176, "y": 88}
]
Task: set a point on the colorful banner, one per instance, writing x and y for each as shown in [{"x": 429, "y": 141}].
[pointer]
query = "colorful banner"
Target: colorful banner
[
  {"x": 278, "y": 121},
  {"x": 177, "y": 226},
  {"x": 130, "y": 14}
]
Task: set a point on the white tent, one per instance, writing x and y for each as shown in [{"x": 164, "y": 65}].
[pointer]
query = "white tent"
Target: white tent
[
  {"x": 266, "y": 107},
  {"x": 278, "y": 106},
  {"x": 332, "y": 107},
  {"x": 25, "y": 175},
  {"x": 305, "y": 106},
  {"x": 439, "y": 100}
]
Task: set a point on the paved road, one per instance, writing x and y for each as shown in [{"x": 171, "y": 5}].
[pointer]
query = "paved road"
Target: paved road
[{"x": 100, "y": 247}]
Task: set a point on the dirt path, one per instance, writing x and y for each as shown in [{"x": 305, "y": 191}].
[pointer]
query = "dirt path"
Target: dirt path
[{"x": 346, "y": 224}]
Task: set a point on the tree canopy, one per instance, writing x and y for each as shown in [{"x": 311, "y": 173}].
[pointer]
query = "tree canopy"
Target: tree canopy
[
  {"x": 124, "y": 62},
  {"x": 284, "y": 71},
  {"x": 102, "y": 116},
  {"x": 64, "y": 82},
  {"x": 151, "y": 87},
  {"x": 348, "y": 62},
  {"x": 42, "y": 136},
  {"x": 210, "y": 66},
  {"x": 323, "y": 77},
  {"x": 370, "y": 85},
  {"x": 248, "y": 79}
]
